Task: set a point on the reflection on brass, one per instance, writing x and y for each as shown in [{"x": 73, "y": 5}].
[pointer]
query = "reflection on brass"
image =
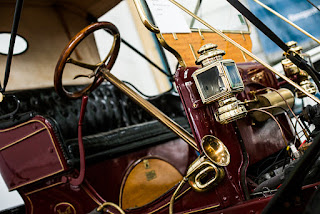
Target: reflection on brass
[
  {"x": 151, "y": 175},
  {"x": 115, "y": 39},
  {"x": 137, "y": 190},
  {"x": 215, "y": 150},
  {"x": 193, "y": 52},
  {"x": 203, "y": 175},
  {"x": 170, "y": 49},
  {"x": 287, "y": 20},
  {"x": 151, "y": 109},
  {"x": 201, "y": 35},
  {"x": 146, "y": 164},
  {"x": 175, "y": 193},
  {"x": 298, "y": 75},
  {"x": 245, "y": 51},
  {"x": 175, "y": 36},
  {"x": 144, "y": 18},
  {"x": 155, "y": 29},
  {"x": 162, "y": 41},
  {"x": 276, "y": 99},
  {"x": 81, "y": 64},
  {"x": 105, "y": 204},
  {"x": 64, "y": 208}
]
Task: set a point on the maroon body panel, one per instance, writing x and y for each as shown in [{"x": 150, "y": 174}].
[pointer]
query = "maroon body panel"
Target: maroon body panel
[
  {"x": 32, "y": 161},
  {"x": 201, "y": 117},
  {"x": 260, "y": 139},
  {"x": 29, "y": 152}
]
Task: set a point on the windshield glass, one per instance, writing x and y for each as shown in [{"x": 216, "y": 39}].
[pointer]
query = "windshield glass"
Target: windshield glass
[{"x": 218, "y": 13}]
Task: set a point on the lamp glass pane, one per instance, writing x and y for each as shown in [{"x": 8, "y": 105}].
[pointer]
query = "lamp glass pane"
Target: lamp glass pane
[
  {"x": 233, "y": 75},
  {"x": 210, "y": 82}
]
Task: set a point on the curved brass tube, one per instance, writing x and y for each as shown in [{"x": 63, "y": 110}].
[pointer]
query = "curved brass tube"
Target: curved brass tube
[
  {"x": 246, "y": 51},
  {"x": 144, "y": 18},
  {"x": 105, "y": 204},
  {"x": 183, "y": 181}
]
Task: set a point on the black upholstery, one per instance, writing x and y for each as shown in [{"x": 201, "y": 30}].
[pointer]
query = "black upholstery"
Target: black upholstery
[{"x": 107, "y": 110}]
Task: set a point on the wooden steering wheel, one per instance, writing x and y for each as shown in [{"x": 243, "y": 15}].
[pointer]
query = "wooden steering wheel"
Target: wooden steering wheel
[{"x": 65, "y": 58}]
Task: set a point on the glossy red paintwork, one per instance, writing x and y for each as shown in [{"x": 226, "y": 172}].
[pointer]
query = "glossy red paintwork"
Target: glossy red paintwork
[
  {"x": 201, "y": 117},
  {"x": 47, "y": 200},
  {"x": 29, "y": 152},
  {"x": 49, "y": 191}
]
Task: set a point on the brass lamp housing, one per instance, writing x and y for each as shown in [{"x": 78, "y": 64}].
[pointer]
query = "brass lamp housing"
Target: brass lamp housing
[
  {"x": 219, "y": 71},
  {"x": 300, "y": 76}
]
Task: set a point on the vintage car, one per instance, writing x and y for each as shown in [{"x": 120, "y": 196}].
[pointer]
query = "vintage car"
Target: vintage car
[{"x": 224, "y": 139}]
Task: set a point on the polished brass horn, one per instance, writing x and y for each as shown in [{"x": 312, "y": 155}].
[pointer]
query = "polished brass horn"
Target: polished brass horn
[
  {"x": 203, "y": 174},
  {"x": 215, "y": 150}
]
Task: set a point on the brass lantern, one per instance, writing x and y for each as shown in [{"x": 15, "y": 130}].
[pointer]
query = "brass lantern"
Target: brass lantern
[
  {"x": 299, "y": 76},
  {"x": 219, "y": 81}
]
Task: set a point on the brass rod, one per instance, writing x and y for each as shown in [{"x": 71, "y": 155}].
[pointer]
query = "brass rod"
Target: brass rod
[
  {"x": 246, "y": 51},
  {"x": 151, "y": 109},
  {"x": 287, "y": 20}
]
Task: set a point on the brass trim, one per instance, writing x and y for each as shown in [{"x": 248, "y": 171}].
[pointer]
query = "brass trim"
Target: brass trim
[
  {"x": 207, "y": 208},
  {"x": 151, "y": 109},
  {"x": 155, "y": 29},
  {"x": 52, "y": 141},
  {"x": 144, "y": 18},
  {"x": 101, "y": 207},
  {"x": 163, "y": 42},
  {"x": 47, "y": 187},
  {"x": 246, "y": 51},
  {"x": 193, "y": 52},
  {"x": 31, "y": 204},
  {"x": 171, "y": 50},
  {"x": 131, "y": 167},
  {"x": 201, "y": 35},
  {"x": 90, "y": 195},
  {"x": 287, "y": 20},
  {"x": 67, "y": 203},
  {"x": 36, "y": 180},
  {"x": 167, "y": 204},
  {"x": 22, "y": 139},
  {"x": 224, "y": 31}
]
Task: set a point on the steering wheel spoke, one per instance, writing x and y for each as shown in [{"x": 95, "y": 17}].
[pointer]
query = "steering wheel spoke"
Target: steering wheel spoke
[
  {"x": 107, "y": 63},
  {"x": 82, "y": 64}
]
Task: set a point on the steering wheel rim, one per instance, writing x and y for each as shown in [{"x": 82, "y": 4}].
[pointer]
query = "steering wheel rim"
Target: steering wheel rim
[{"x": 74, "y": 42}]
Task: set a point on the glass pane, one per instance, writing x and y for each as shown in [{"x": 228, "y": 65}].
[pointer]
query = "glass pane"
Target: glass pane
[
  {"x": 233, "y": 75},
  {"x": 20, "y": 45},
  {"x": 218, "y": 13},
  {"x": 210, "y": 82}
]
